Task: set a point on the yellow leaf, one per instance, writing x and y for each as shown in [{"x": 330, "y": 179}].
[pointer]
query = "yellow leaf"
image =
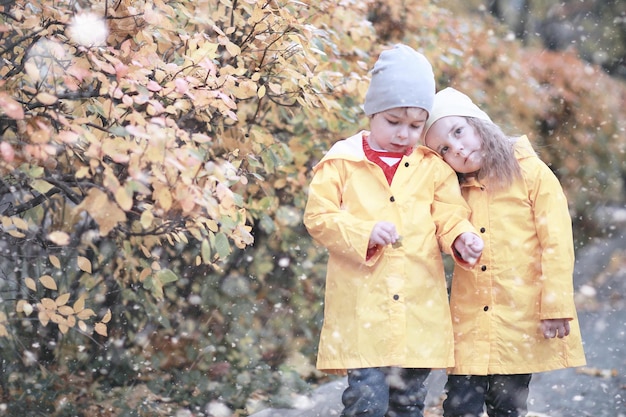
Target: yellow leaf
[
  {"x": 101, "y": 329},
  {"x": 212, "y": 225},
  {"x": 82, "y": 326},
  {"x": 30, "y": 284},
  {"x": 261, "y": 92},
  {"x": 56, "y": 318},
  {"x": 63, "y": 328},
  {"x": 62, "y": 299},
  {"x": 19, "y": 306},
  {"x": 46, "y": 98},
  {"x": 79, "y": 305},
  {"x": 145, "y": 274},
  {"x": 60, "y": 238},
  {"x": 48, "y": 304},
  {"x": 163, "y": 196},
  {"x": 182, "y": 237},
  {"x": 84, "y": 264},
  {"x": 146, "y": 218},
  {"x": 107, "y": 316},
  {"x": 105, "y": 212},
  {"x": 16, "y": 234},
  {"x": 41, "y": 186},
  {"x": 206, "y": 251},
  {"x": 124, "y": 198},
  {"x": 7, "y": 222},
  {"x": 3, "y": 331},
  {"x": 71, "y": 320},
  {"x": 66, "y": 310},
  {"x": 54, "y": 261},
  {"x": 257, "y": 15},
  {"x": 233, "y": 49},
  {"x": 20, "y": 223},
  {"x": 10, "y": 107},
  {"x": 48, "y": 282},
  {"x": 44, "y": 319},
  {"x": 85, "y": 314},
  {"x": 145, "y": 251}
]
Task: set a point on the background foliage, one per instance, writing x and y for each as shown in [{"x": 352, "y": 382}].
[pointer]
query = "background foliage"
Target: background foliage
[{"x": 154, "y": 261}]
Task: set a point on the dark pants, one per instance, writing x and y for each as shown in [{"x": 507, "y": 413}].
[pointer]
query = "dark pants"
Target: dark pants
[
  {"x": 503, "y": 395},
  {"x": 385, "y": 392}
]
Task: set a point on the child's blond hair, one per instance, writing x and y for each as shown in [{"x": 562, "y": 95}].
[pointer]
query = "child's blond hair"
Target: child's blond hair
[{"x": 499, "y": 164}]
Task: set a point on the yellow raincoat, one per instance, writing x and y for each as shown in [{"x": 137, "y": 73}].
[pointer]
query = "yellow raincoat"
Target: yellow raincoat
[
  {"x": 391, "y": 309},
  {"x": 523, "y": 276}
]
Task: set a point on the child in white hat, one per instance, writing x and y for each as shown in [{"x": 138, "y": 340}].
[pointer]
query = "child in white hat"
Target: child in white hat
[
  {"x": 385, "y": 208},
  {"x": 514, "y": 313}
]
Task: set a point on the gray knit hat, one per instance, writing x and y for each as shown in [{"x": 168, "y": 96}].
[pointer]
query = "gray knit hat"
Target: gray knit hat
[
  {"x": 402, "y": 77},
  {"x": 451, "y": 102}
]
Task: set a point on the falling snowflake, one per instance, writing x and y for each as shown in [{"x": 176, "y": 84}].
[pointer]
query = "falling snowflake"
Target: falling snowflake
[{"x": 88, "y": 29}]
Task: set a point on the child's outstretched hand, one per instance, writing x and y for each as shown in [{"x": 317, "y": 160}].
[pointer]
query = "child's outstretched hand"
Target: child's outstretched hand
[
  {"x": 470, "y": 247},
  {"x": 383, "y": 233},
  {"x": 552, "y": 328}
]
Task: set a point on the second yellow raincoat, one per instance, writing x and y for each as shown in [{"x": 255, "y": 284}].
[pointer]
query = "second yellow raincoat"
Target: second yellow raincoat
[
  {"x": 524, "y": 276},
  {"x": 390, "y": 309}
]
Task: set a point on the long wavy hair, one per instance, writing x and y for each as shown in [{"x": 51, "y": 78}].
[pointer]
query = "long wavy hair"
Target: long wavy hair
[{"x": 499, "y": 164}]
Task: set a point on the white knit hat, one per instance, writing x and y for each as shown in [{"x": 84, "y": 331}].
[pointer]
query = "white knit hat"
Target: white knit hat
[
  {"x": 402, "y": 77},
  {"x": 451, "y": 102}
]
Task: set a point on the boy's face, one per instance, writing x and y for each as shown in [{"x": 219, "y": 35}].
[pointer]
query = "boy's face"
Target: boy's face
[
  {"x": 398, "y": 129},
  {"x": 457, "y": 142}
]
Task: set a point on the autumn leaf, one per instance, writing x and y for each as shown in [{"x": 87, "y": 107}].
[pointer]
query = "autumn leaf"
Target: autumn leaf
[
  {"x": 54, "y": 260},
  {"x": 84, "y": 264},
  {"x": 105, "y": 212},
  {"x": 107, "y": 316},
  {"x": 79, "y": 305},
  {"x": 62, "y": 299},
  {"x": 101, "y": 329},
  {"x": 146, "y": 218},
  {"x": 20, "y": 223},
  {"x": 46, "y": 98},
  {"x": 48, "y": 282},
  {"x": 60, "y": 238},
  {"x": 10, "y": 107},
  {"x": 30, "y": 284},
  {"x": 65, "y": 310},
  {"x": 85, "y": 314},
  {"x": 7, "y": 152}
]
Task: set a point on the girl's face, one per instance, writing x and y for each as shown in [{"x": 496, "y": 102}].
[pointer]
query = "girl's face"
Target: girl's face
[
  {"x": 397, "y": 130},
  {"x": 457, "y": 142}
]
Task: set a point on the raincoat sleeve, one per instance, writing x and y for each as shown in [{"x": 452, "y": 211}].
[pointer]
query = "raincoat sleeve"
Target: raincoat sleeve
[
  {"x": 330, "y": 223},
  {"x": 451, "y": 214},
  {"x": 554, "y": 230}
]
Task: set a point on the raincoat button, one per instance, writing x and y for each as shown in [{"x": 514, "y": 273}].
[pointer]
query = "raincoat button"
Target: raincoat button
[
  {"x": 482, "y": 230},
  {"x": 485, "y": 308},
  {"x": 392, "y": 199},
  {"x": 483, "y": 268},
  {"x": 396, "y": 297},
  {"x": 406, "y": 164}
]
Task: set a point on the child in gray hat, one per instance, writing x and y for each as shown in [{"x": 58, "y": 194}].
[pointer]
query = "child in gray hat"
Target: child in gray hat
[{"x": 384, "y": 208}]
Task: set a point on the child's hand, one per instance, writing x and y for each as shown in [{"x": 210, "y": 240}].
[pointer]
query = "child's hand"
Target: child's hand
[
  {"x": 470, "y": 247},
  {"x": 552, "y": 328},
  {"x": 383, "y": 233}
]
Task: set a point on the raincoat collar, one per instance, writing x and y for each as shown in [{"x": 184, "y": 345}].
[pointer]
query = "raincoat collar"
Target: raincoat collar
[{"x": 352, "y": 149}]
